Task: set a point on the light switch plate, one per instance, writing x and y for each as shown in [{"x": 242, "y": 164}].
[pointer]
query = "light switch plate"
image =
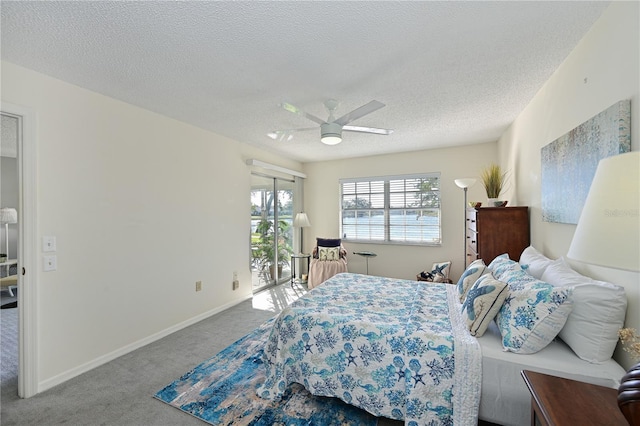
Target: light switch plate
[
  {"x": 50, "y": 263},
  {"x": 48, "y": 243}
]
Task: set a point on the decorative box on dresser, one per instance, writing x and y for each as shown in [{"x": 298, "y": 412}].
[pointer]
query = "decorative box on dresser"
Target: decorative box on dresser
[{"x": 492, "y": 231}]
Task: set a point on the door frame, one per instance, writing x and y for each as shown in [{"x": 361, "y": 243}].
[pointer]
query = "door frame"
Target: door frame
[{"x": 27, "y": 249}]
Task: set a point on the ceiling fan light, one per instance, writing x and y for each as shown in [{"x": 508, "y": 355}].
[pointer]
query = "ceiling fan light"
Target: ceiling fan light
[
  {"x": 331, "y": 140},
  {"x": 331, "y": 133}
]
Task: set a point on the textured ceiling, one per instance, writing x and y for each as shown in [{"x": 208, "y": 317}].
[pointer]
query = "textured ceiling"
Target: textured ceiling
[{"x": 450, "y": 73}]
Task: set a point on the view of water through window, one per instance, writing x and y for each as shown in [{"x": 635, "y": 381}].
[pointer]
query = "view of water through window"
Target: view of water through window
[{"x": 392, "y": 209}]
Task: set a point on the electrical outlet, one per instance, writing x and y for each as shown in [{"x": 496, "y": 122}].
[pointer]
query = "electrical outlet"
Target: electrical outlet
[
  {"x": 236, "y": 283},
  {"x": 198, "y": 285},
  {"x": 48, "y": 243},
  {"x": 50, "y": 263}
]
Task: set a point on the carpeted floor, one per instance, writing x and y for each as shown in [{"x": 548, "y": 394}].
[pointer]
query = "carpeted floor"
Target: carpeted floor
[
  {"x": 8, "y": 339},
  {"x": 121, "y": 391}
]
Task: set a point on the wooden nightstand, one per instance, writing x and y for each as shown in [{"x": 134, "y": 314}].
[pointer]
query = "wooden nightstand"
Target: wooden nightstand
[{"x": 558, "y": 401}]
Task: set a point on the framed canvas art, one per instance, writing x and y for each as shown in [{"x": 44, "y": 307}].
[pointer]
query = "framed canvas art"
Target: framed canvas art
[{"x": 569, "y": 163}]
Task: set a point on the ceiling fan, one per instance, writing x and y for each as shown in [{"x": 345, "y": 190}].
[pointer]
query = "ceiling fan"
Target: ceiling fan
[{"x": 331, "y": 129}]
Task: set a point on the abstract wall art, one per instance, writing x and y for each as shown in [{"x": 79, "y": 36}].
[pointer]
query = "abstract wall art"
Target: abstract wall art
[{"x": 569, "y": 162}]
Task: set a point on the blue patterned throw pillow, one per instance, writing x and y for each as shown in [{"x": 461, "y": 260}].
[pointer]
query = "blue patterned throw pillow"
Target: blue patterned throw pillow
[
  {"x": 533, "y": 314},
  {"x": 441, "y": 268},
  {"x": 516, "y": 278},
  {"x": 475, "y": 270},
  {"x": 501, "y": 265},
  {"x": 483, "y": 302}
]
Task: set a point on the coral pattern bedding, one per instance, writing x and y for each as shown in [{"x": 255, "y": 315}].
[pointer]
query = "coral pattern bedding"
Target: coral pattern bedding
[{"x": 395, "y": 348}]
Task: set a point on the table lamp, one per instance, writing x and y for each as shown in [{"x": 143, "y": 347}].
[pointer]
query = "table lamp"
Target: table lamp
[{"x": 301, "y": 221}]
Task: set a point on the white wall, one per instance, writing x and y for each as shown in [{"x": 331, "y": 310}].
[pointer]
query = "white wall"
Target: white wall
[
  {"x": 601, "y": 70},
  {"x": 322, "y": 194},
  {"x": 142, "y": 206}
]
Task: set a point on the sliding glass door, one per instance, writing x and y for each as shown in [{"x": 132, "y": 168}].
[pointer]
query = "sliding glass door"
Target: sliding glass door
[{"x": 271, "y": 230}]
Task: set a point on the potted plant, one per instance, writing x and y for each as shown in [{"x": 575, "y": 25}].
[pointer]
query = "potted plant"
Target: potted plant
[
  {"x": 264, "y": 252},
  {"x": 493, "y": 179}
]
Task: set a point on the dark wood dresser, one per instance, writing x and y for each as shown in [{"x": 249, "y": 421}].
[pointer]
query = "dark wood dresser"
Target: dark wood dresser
[{"x": 492, "y": 231}]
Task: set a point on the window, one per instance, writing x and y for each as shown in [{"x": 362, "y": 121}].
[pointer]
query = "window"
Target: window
[{"x": 397, "y": 209}]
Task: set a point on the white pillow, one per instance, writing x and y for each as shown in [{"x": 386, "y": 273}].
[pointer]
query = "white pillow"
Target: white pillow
[
  {"x": 534, "y": 262},
  {"x": 483, "y": 302},
  {"x": 598, "y": 312}
]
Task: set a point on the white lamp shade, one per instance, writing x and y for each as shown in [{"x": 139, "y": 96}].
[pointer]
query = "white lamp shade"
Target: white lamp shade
[
  {"x": 301, "y": 221},
  {"x": 465, "y": 182},
  {"x": 608, "y": 232},
  {"x": 8, "y": 215}
]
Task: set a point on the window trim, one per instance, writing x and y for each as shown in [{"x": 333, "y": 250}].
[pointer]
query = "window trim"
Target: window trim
[{"x": 387, "y": 208}]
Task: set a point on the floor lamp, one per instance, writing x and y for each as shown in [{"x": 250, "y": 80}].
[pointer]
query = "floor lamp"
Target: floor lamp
[
  {"x": 8, "y": 215},
  {"x": 465, "y": 183},
  {"x": 301, "y": 221}
]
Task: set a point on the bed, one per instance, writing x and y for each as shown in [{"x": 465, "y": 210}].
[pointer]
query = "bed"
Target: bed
[
  {"x": 402, "y": 349},
  {"x": 384, "y": 345}
]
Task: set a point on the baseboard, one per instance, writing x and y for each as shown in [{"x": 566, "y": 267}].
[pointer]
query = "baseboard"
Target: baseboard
[{"x": 74, "y": 372}]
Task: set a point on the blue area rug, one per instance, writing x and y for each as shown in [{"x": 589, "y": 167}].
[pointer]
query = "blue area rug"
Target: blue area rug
[{"x": 222, "y": 391}]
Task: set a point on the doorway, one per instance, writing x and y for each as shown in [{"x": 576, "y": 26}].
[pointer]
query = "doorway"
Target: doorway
[
  {"x": 18, "y": 124},
  {"x": 272, "y": 201},
  {"x": 9, "y": 198}
]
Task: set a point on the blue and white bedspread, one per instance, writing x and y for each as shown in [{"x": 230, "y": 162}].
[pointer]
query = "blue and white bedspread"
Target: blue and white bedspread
[{"x": 395, "y": 348}]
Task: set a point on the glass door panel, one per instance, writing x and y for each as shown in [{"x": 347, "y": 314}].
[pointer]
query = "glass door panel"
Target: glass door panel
[
  {"x": 271, "y": 230},
  {"x": 285, "y": 227}
]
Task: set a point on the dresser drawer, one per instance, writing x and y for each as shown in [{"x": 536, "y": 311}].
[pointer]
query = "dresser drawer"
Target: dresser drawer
[
  {"x": 472, "y": 242},
  {"x": 492, "y": 231},
  {"x": 471, "y": 221},
  {"x": 472, "y": 254}
]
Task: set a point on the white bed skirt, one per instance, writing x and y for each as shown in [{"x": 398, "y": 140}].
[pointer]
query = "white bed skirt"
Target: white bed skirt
[{"x": 505, "y": 398}]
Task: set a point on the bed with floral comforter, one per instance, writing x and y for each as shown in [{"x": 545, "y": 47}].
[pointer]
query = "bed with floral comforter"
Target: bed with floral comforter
[{"x": 395, "y": 348}]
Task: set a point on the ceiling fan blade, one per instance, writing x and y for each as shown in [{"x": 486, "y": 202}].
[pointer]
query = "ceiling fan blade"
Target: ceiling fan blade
[
  {"x": 294, "y": 109},
  {"x": 373, "y": 130},
  {"x": 287, "y": 135},
  {"x": 359, "y": 112},
  {"x": 280, "y": 135}
]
